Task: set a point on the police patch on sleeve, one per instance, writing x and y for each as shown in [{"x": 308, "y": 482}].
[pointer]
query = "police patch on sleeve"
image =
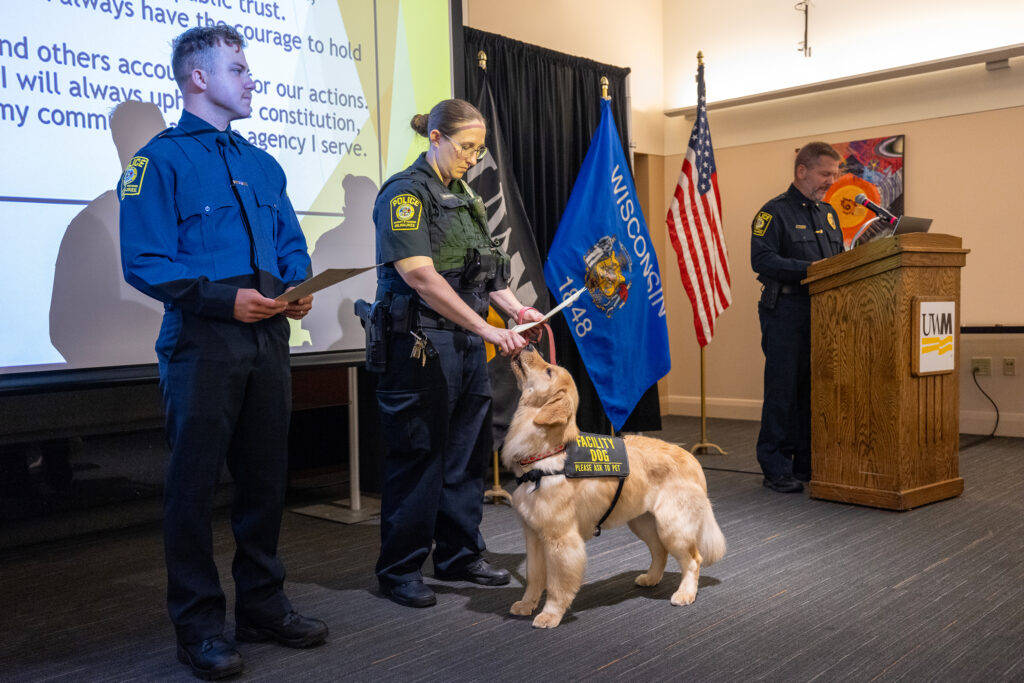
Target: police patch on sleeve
[
  {"x": 405, "y": 212},
  {"x": 131, "y": 181},
  {"x": 761, "y": 223}
]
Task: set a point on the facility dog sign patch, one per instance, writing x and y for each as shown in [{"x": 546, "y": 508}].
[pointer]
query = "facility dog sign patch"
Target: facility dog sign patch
[
  {"x": 405, "y": 212},
  {"x": 131, "y": 181},
  {"x": 593, "y": 455}
]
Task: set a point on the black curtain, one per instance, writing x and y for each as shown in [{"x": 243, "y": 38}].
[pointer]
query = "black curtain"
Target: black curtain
[{"x": 550, "y": 107}]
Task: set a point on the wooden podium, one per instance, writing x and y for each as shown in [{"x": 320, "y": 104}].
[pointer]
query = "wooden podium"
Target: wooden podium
[{"x": 884, "y": 382}]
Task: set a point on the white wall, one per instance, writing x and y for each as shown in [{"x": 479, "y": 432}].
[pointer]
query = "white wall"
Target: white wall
[
  {"x": 609, "y": 31},
  {"x": 751, "y": 46},
  {"x": 964, "y": 128}
]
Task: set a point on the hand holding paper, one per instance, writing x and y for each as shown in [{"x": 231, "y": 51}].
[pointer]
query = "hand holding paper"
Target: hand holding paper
[{"x": 525, "y": 326}]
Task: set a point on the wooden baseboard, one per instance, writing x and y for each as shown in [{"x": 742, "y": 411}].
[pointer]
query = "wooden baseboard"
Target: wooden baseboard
[{"x": 729, "y": 408}]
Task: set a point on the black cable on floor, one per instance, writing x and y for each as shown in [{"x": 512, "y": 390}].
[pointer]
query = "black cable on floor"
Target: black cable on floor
[
  {"x": 972, "y": 444},
  {"x": 726, "y": 469}
]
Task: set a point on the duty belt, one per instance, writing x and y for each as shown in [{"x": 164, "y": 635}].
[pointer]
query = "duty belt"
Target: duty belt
[
  {"x": 433, "y": 320},
  {"x": 793, "y": 289}
]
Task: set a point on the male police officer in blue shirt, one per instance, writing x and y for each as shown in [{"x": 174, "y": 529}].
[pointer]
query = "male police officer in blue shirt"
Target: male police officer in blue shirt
[
  {"x": 207, "y": 228},
  {"x": 789, "y": 233}
]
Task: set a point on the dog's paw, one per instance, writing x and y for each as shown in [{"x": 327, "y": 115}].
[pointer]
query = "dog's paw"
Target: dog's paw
[
  {"x": 547, "y": 620},
  {"x": 522, "y": 608},
  {"x": 684, "y": 597},
  {"x": 646, "y": 579}
]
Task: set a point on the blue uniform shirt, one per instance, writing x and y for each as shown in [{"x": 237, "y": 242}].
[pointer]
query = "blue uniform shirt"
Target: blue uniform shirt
[
  {"x": 184, "y": 240},
  {"x": 789, "y": 233}
]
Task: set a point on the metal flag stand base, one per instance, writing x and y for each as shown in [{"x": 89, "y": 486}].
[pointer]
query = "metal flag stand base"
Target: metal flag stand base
[
  {"x": 355, "y": 508},
  {"x": 703, "y": 447},
  {"x": 497, "y": 494}
]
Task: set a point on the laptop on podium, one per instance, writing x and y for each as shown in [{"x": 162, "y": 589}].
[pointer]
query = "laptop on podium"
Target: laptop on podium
[{"x": 876, "y": 228}]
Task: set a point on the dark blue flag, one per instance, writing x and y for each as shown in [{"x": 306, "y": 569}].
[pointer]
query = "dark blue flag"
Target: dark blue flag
[{"x": 602, "y": 244}]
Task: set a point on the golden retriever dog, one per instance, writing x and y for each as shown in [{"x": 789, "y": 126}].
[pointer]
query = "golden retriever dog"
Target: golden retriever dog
[{"x": 664, "y": 499}]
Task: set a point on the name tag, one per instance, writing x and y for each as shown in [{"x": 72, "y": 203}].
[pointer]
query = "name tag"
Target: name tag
[{"x": 593, "y": 455}]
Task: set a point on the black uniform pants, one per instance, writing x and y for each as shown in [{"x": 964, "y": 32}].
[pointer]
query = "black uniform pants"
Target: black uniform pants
[
  {"x": 435, "y": 421},
  {"x": 227, "y": 394},
  {"x": 784, "y": 443}
]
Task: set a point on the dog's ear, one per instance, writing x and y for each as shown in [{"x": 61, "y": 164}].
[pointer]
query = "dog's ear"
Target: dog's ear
[{"x": 557, "y": 411}]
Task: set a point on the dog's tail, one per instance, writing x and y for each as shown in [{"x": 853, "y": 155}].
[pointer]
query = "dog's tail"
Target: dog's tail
[{"x": 712, "y": 541}]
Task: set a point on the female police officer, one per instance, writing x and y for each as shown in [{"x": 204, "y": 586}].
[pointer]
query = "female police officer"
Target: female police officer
[{"x": 440, "y": 272}]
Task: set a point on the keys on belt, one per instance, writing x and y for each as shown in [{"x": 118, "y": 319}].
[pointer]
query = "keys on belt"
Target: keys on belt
[{"x": 422, "y": 349}]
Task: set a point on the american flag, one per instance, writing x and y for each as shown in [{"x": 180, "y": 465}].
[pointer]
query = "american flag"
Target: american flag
[{"x": 695, "y": 227}]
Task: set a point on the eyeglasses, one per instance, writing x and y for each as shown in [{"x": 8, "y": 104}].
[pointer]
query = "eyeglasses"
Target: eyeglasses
[{"x": 466, "y": 151}]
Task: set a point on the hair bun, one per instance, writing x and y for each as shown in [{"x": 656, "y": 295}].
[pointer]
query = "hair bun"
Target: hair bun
[{"x": 419, "y": 124}]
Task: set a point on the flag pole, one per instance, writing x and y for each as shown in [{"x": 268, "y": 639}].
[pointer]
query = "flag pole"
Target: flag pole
[
  {"x": 606, "y": 96},
  {"x": 496, "y": 493},
  {"x": 704, "y": 446}
]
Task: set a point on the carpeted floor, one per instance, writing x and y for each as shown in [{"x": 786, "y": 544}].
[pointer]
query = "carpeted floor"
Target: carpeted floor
[{"x": 808, "y": 590}]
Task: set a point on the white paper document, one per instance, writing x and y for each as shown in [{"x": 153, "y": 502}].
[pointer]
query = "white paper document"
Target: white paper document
[
  {"x": 525, "y": 326},
  {"x": 321, "y": 280}
]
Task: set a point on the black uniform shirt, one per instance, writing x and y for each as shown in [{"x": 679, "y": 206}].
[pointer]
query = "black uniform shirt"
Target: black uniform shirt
[{"x": 789, "y": 233}]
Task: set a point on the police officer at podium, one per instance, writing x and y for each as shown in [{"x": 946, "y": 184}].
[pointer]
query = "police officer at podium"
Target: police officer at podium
[
  {"x": 789, "y": 233},
  {"x": 441, "y": 272}
]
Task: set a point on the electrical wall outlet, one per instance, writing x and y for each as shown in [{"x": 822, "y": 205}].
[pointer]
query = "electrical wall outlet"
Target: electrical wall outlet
[
  {"x": 981, "y": 366},
  {"x": 1009, "y": 366}
]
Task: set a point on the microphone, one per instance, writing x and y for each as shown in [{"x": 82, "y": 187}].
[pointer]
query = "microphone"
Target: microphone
[{"x": 863, "y": 200}]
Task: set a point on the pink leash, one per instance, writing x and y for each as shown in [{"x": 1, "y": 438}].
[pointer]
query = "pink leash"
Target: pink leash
[{"x": 551, "y": 337}]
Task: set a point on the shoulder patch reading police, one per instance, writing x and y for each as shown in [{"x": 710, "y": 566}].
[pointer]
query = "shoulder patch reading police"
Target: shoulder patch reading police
[
  {"x": 405, "y": 212},
  {"x": 131, "y": 181},
  {"x": 761, "y": 223},
  {"x": 593, "y": 455}
]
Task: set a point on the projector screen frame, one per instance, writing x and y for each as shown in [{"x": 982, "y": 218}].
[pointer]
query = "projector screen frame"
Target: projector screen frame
[{"x": 33, "y": 380}]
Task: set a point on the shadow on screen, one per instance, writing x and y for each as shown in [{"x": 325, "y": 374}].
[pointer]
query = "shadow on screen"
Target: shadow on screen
[
  {"x": 332, "y": 323},
  {"x": 96, "y": 318}
]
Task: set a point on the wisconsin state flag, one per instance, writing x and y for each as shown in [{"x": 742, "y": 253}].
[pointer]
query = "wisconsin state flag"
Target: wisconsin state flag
[{"x": 602, "y": 245}]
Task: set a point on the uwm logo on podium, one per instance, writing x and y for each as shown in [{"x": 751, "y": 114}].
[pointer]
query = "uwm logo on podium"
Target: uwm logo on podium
[{"x": 935, "y": 336}]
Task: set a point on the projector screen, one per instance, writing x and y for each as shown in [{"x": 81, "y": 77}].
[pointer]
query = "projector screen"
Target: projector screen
[{"x": 85, "y": 83}]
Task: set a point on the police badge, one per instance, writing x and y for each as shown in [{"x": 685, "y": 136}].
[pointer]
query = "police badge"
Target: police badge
[
  {"x": 131, "y": 181},
  {"x": 761, "y": 223}
]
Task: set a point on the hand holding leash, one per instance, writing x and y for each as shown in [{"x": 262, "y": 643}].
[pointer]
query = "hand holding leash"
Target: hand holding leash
[
  {"x": 506, "y": 341},
  {"x": 529, "y": 314}
]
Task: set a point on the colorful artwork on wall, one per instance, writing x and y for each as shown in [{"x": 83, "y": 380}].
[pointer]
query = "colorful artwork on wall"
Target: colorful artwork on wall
[{"x": 873, "y": 167}]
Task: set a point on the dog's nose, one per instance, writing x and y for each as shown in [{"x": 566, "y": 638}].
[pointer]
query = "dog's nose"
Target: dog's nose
[{"x": 528, "y": 347}]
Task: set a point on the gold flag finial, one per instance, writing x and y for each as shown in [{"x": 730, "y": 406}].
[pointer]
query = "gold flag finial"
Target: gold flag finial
[
  {"x": 604, "y": 88},
  {"x": 481, "y": 60},
  {"x": 700, "y": 58}
]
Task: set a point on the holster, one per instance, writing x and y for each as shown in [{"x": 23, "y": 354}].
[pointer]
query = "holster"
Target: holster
[
  {"x": 770, "y": 293},
  {"x": 402, "y": 309},
  {"x": 376, "y": 321}
]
